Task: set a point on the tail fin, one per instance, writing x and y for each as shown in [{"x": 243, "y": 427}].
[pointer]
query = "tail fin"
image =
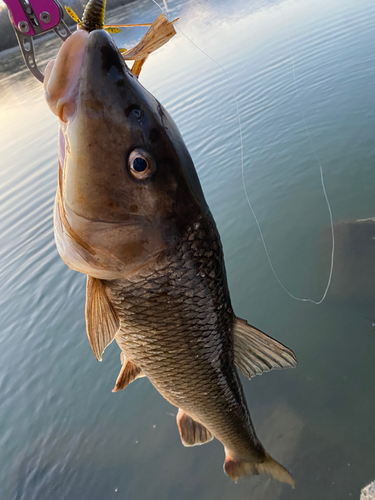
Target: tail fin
[{"x": 237, "y": 468}]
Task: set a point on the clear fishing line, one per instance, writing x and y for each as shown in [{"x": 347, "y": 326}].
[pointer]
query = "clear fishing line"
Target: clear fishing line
[{"x": 301, "y": 299}]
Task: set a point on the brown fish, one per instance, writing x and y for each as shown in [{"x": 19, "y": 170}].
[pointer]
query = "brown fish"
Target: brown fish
[{"x": 130, "y": 213}]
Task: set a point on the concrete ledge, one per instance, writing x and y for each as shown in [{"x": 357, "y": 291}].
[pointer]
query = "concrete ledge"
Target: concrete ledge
[{"x": 368, "y": 493}]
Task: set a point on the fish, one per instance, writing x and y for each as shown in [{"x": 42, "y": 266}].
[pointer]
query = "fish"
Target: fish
[{"x": 130, "y": 213}]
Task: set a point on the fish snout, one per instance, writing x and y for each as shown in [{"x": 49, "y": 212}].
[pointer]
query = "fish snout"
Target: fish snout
[{"x": 103, "y": 68}]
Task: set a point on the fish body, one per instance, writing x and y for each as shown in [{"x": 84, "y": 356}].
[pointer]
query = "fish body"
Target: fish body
[
  {"x": 130, "y": 213},
  {"x": 177, "y": 320}
]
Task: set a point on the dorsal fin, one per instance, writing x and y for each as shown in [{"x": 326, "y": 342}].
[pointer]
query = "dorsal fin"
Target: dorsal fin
[
  {"x": 129, "y": 372},
  {"x": 256, "y": 353},
  {"x": 102, "y": 322}
]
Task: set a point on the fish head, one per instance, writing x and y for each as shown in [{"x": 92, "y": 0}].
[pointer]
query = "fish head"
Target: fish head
[{"x": 127, "y": 187}]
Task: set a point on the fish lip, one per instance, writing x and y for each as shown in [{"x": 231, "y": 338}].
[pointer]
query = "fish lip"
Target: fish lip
[{"x": 63, "y": 75}]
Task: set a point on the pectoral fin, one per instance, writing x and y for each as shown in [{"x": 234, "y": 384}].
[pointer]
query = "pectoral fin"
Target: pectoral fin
[
  {"x": 256, "y": 353},
  {"x": 102, "y": 322},
  {"x": 129, "y": 372},
  {"x": 192, "y": 433}
]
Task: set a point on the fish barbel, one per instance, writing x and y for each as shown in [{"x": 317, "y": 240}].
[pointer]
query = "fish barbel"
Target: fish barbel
[{"x": 131, "y": 215}]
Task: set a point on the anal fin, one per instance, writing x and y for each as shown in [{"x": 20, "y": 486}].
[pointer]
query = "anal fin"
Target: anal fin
[
  {"x": 192, "y": 433},
  {"x": 256, "y": 353},
  {"x": 129, "y": 372}
]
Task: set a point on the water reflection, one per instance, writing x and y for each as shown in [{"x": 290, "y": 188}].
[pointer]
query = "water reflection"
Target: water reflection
[{"x": 355, "y": 261}]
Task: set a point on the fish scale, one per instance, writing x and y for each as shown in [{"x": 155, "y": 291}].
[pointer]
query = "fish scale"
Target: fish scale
[{"x": 166, "y": 333}]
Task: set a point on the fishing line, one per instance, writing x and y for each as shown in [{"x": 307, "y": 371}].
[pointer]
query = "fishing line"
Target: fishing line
[
  {"x": 321, "y": 180},
  {"x": 301, "y": 299}
]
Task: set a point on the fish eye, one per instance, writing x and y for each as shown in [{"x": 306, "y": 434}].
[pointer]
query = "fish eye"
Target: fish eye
[
  {"x": 141, "y": 164},
  {"x": 137, "y": 113}
]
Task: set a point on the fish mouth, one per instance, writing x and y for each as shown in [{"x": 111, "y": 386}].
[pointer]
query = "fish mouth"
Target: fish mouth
[{"x": 85, "y": 59}]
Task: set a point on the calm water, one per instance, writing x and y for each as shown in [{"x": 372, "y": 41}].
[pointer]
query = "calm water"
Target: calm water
[{"x": 64, "y": 435}]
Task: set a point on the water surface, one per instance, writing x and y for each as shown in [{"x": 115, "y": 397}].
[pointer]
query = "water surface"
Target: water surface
[{"x": 64, "y": 434}]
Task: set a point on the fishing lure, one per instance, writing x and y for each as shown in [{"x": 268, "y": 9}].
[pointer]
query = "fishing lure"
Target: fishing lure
[
  {"x": 160, "y": 31},
  {"x": 93, "y": 19}
]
